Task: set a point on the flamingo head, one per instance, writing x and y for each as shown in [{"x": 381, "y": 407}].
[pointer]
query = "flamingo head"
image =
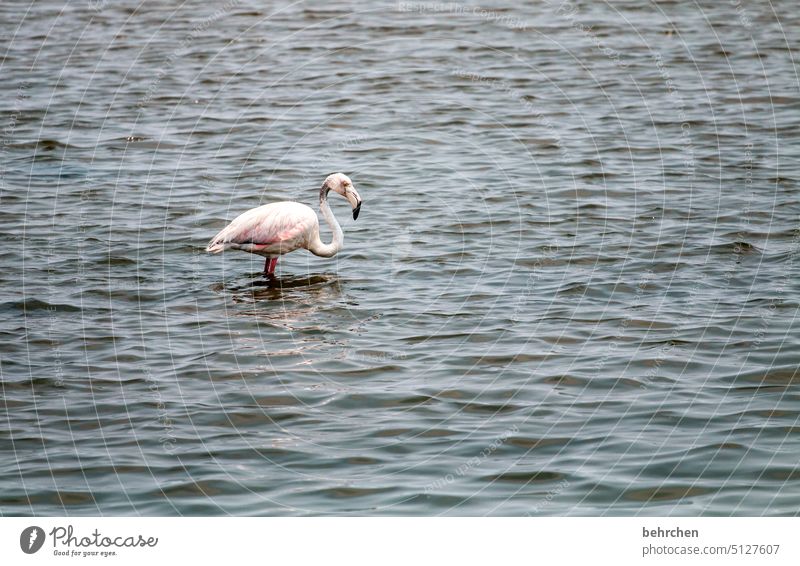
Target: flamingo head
[{"x": 341, "y": 183}]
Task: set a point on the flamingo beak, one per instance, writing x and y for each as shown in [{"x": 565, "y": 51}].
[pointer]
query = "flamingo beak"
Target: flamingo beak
[{"x": 355, "y": 201}]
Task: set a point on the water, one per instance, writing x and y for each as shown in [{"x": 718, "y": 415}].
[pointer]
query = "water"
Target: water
[{"x": 572, "y": 289}]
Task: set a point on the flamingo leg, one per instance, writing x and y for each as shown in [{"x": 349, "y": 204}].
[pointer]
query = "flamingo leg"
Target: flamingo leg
[{"x": 269, "y": 266}]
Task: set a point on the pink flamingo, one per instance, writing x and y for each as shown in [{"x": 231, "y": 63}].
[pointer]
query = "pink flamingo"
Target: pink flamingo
[{"x": 278, "y": 228}]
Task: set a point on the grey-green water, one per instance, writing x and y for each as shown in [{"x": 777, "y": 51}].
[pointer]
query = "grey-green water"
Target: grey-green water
[{"x": 573, "y": 287}]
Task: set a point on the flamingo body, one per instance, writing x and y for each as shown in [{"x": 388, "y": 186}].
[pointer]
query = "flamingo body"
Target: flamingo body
[
  {"x": 278, "y": 228},
  {"x": 270, "y": 230}
]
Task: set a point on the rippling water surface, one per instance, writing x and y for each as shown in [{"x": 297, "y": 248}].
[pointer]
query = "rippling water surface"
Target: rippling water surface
[{"x": 573, "y": 287}]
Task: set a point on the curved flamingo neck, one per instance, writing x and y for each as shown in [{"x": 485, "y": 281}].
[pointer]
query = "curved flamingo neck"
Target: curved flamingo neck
[{"x": 316, "y": 246}]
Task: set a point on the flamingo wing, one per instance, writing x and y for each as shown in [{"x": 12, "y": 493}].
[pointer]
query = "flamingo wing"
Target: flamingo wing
[{"x": 271, "y": 229}]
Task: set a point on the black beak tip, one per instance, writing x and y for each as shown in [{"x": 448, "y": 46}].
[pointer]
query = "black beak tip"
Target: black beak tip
[{"x": 356, "y": 210}]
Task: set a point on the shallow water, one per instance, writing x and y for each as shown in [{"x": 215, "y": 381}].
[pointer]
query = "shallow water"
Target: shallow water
[{"x": 573, "y": 287}]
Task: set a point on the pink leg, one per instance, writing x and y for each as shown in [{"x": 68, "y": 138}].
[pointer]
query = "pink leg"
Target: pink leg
[{"x": 269, "y": 265}]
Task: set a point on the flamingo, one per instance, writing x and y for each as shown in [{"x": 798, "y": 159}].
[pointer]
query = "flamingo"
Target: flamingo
[{"x": 278, "y": 228}]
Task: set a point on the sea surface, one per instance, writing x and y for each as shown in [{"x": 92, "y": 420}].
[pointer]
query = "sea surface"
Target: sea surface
[{"x": 573, "y": 287}]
